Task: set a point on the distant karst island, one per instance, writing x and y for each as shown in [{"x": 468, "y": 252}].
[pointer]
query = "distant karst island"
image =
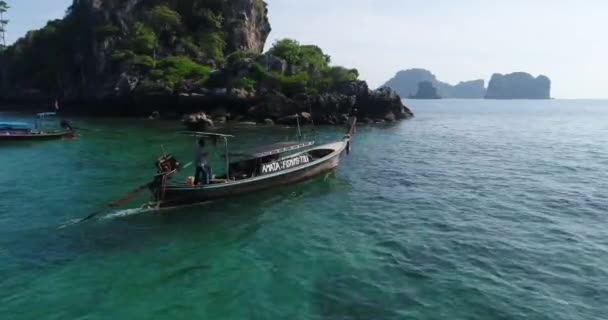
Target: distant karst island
[
  {"x": 426, "y": 90},
  {"x": 518, "y": 85},
  {"x": 170, "y": 58},
  {"x": 406, "y": 84}
]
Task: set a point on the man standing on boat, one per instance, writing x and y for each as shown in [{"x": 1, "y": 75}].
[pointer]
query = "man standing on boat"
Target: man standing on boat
[{"x": 201, "y": 159}]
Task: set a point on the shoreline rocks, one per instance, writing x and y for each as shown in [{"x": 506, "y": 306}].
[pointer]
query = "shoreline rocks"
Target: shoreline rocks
[
  {"x": 202, "y": 110},
  {"x": 382, "y": 105}
]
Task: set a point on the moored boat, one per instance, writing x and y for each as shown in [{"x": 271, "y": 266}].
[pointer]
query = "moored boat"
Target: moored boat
[{"x": 21, "y": 131}]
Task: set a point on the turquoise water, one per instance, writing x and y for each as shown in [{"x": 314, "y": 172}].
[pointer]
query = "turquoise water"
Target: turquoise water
[{"x": 472, "y": 210}]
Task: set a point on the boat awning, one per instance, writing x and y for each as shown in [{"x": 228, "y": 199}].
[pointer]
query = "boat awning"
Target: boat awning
[
  {"x": 47, "y": 114},
  {"x": 15, "y": 125},
  {"x": 206, "y": 134},
  {"x": 269, "y": 150}
]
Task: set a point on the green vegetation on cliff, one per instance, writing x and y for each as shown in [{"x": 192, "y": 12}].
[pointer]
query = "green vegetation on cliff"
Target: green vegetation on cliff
[
  {"x": 98, "y": 40},
  {"x": 173, "y": 70},
  {"x": 306, "y": 69},
  {"x": 167, "y": 43}
]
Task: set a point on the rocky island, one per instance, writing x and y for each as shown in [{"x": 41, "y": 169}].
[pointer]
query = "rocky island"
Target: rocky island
[
  {"x": 519, "y": 85},
  {"x": 426, "y": 91},
  {"x": 406, "y": 84},
  {"x": 137, "y": 57}
]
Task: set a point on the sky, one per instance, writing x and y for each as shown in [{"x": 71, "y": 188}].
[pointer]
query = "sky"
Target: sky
[{"x": 457, "y": 40}]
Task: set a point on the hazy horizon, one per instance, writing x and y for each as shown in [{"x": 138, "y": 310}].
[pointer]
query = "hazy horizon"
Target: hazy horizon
[{"x": 460, "y": 41}]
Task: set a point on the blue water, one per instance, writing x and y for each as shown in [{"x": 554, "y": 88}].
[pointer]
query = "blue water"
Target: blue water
[{"x": 472, "y": 210}]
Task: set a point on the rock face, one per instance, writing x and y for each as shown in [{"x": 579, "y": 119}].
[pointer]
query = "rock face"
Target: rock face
[
  {"x": 406, "y": 84},
  {"x": 426, "y": 90},
  {"x": 519, "y": 85},
  {"x": 249, "y": 25},
  {"x": 467, "y": 90},
  {"x": 104, "y": 48}
]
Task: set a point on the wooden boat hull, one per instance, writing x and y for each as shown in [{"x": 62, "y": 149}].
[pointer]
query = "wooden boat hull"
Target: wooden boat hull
[
  {"x": 178, "y": 195},
  {"x": 36, "y": 136}
]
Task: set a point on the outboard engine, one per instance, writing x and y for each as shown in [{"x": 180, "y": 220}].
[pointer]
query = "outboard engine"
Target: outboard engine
[{"x": 166, "y": 164}]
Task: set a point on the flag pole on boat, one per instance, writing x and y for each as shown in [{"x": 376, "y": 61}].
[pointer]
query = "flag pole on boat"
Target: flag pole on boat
[
  {"x": 227, "y": 157},
  {"x": 299, "y": 129}
]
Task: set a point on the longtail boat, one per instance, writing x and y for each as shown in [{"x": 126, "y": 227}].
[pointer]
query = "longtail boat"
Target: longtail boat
[
  {"x": 263, "y": 168},
  {"x": 255, "y": 170},
  {"x": 21, "y": 131}
]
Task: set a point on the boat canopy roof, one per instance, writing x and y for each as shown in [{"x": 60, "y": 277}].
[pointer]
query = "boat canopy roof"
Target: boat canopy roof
[
  {"x": 15, "y": 125},
  {"x": 269, "y": 150},
  {"x": 47, "y": 114},
  {"x": 206, "y": 134}
]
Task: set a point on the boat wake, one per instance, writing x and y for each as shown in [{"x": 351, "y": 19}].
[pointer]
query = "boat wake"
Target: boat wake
[
  {"x": 125, "y": 213},
  {"x": 110, "y": 216},
  {"x": 70, "y": 223}
]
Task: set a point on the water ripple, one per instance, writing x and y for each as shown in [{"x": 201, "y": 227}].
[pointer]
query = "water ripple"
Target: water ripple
[{"x": 473, "y": 210}]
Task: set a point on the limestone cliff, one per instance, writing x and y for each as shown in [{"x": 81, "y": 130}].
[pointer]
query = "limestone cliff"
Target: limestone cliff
[
  {"x": 519, "y": 85},
  {"x": 426, "y": 91},
  {"x": 107, "y": 47},
  {"x": 474, "y": 89},
  {"x": 249, "y": 26}
]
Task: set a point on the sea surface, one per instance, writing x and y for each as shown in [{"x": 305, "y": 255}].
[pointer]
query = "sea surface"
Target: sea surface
[{"x": 471, "y": 210}]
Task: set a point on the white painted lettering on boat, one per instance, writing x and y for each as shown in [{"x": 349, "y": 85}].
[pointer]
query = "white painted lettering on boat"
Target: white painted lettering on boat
[{"x": 284, "y": 164}]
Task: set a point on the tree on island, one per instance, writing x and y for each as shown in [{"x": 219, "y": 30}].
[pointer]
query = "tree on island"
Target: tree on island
[
  {"x": 309, "y": 69},
  {"x": 287, "y": 49},
  {"x": 3, "y": 22}
]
